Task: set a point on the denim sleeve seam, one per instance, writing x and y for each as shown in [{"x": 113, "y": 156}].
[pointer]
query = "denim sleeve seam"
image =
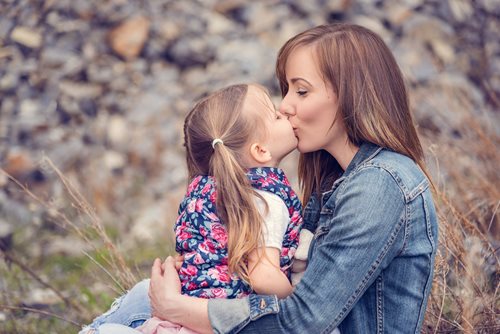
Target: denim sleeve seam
[
  {"x": 420, "y": 188},
  {"x": 369, "y": 165},
  {"x": 428, "y": 223},
  {"x": 407, "y": 227}
]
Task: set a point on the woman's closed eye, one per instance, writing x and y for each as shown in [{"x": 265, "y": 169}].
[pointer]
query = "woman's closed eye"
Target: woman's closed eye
[{"x": 301, "y": 92}]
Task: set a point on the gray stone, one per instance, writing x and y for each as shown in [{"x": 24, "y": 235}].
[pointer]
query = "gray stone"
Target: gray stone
[
  {"x": 5, "y": 228},
  {"x": 9, "y": 81},
  {"x": 191, "y": 51},
  {"x": 27, "y": 37},
  {"x": 14, "y": 213},
  {"x": 64, "y": 26},
  {"x": 458, "y": 84},
  {"x": 267, "y": 19},
  {"x": 149, "y": 221},
  {"x": 460, "y": 10},
  {"x": 45, "y": 296},
  {"x": 67, "y": 153},
  {"x": 101, "y": 70},
  {"x": 114, "y": 160},
  {"x": 492, "y": 6},
  {"x": 415, "y": 61},
  {"x": 79, "y": 90},
  {"x": 396, "y": 12},
  {"x": 374, "y": 25},
  {"x": 6, "y": 25},
  {"x": 117, "y": 130},
  {"x": 422, "y": 28},
  {"x": 249, "y": 57}
]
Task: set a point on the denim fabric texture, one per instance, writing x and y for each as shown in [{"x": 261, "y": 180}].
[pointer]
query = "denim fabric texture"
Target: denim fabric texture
[
  {"x": 371, "y": 261},
  {"x": 130, "y": 310}
]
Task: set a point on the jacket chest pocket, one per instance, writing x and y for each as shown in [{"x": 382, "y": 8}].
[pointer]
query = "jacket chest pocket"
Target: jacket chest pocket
[
  {"x": 321, "y": 232},
  {"x": 319, "y": 237}
]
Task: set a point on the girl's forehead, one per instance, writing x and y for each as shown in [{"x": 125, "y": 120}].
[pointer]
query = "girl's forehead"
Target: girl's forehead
[{"x": 259, "y": 97}]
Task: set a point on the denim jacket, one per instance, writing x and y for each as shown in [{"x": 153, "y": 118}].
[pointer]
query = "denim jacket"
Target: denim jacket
[{"x": 370, "y": 265}]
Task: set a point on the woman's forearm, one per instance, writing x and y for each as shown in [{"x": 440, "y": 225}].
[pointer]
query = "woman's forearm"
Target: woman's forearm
[{"x": 168, "y": 303}]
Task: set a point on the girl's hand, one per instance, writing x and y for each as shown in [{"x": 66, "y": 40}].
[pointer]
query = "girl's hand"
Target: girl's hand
[
  {"x": 179, "y": 259},
  {"x": 164, "y": 289}
]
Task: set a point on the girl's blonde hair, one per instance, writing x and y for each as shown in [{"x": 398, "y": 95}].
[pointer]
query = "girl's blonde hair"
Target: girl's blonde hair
[
  {"x": 220, "y": 115},
  {"x": 372, "y": 99}
]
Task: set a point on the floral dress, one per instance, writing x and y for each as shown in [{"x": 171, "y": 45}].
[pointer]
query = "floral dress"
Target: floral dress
[{"x": 202, "y": 238}]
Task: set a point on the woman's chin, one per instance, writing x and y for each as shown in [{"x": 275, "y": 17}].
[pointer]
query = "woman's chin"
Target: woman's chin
[{"x": 303, "y": 150}]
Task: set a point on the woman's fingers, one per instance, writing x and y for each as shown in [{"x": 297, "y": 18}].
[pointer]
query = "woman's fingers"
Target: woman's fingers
[
  {"x": 168, "y": 265},
  {"x": 160, "y": 266},
  {"x": 156, "y": 269},
  {"x": 171, "y": 277}
]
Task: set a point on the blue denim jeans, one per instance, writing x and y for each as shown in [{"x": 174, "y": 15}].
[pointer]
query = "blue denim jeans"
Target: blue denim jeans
[{"x": 127, "y": 312}]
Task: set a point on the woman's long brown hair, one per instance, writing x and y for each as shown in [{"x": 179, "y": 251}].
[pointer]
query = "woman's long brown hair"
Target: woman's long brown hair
[
  {"x": 372, "y": 98},
  {"x": 220, "y": 115}
]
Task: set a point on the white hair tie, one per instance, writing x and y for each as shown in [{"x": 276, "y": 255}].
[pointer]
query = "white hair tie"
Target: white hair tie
[{"x": 217, "y": 141}]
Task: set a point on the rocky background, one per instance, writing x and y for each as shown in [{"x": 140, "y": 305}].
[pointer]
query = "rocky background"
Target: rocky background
[{"x": 92, "y": 98}]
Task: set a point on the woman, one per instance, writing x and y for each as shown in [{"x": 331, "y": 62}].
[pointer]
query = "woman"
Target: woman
[{"x": 368, "y": 201}]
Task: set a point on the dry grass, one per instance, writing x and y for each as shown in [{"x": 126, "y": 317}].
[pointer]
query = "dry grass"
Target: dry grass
[
  {"x": 87, "y": 225},
  {"x": 465, "y": 291}
]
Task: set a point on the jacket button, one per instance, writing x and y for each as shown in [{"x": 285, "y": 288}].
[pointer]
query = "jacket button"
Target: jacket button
[{"x": 263, "y": 304}]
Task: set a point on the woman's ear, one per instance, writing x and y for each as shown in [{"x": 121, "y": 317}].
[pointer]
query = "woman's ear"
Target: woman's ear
[{"x": 260, "y": 153}]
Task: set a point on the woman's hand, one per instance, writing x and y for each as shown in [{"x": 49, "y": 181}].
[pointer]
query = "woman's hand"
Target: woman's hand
[
  {"x": 168, "y": 303},
  {"x": 164, "y": 288}
]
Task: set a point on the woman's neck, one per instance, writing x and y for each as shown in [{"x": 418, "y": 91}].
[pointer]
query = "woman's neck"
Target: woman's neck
[{"x": 343, "y": 151}]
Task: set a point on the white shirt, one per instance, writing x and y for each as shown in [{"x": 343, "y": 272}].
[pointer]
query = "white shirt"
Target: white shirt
[{"x": 275, "y": 221}]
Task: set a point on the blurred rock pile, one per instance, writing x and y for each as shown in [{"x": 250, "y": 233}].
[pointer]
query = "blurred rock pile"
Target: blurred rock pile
[{"x": 101, "y": 87}]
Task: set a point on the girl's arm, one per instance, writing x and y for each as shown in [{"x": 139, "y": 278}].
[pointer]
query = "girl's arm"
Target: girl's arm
[
  {"x": 265, "y": 274},
  {"x": 168, "y": 303},
  {"x": 264, "y": 263}
]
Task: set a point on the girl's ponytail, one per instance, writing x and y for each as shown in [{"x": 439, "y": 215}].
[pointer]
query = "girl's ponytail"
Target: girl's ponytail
[{"x": 236, "y": 207}]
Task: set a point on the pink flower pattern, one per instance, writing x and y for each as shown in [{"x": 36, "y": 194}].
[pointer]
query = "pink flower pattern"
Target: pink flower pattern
[{"x": 202, "y": 238}]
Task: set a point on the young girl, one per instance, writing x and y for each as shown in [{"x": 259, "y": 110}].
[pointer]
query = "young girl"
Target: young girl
[{"x": 239, "y": 222}]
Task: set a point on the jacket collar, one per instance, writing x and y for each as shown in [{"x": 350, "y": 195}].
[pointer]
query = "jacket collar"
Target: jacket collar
[{"x": 365, "y": 153}]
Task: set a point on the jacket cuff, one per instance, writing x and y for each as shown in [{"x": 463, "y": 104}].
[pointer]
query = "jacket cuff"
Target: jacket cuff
[
  {"x": 261, "y": 305},
  {"x": 223, "y": 321},
  {"x": 241, "y": 312}
]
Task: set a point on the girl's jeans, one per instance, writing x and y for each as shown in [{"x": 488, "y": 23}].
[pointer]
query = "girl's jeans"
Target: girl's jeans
[{"x": 127, "y": 312}]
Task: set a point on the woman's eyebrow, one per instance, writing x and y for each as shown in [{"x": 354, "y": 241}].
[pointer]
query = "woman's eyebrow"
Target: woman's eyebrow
[{"x": 294, "y": 80}]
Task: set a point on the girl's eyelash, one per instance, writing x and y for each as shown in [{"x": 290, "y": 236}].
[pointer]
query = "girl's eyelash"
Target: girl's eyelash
[{"x": 301, "y": 92}]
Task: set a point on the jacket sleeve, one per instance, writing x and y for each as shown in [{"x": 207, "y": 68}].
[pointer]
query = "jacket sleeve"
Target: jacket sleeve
[{"x": 354, "y": 242}]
